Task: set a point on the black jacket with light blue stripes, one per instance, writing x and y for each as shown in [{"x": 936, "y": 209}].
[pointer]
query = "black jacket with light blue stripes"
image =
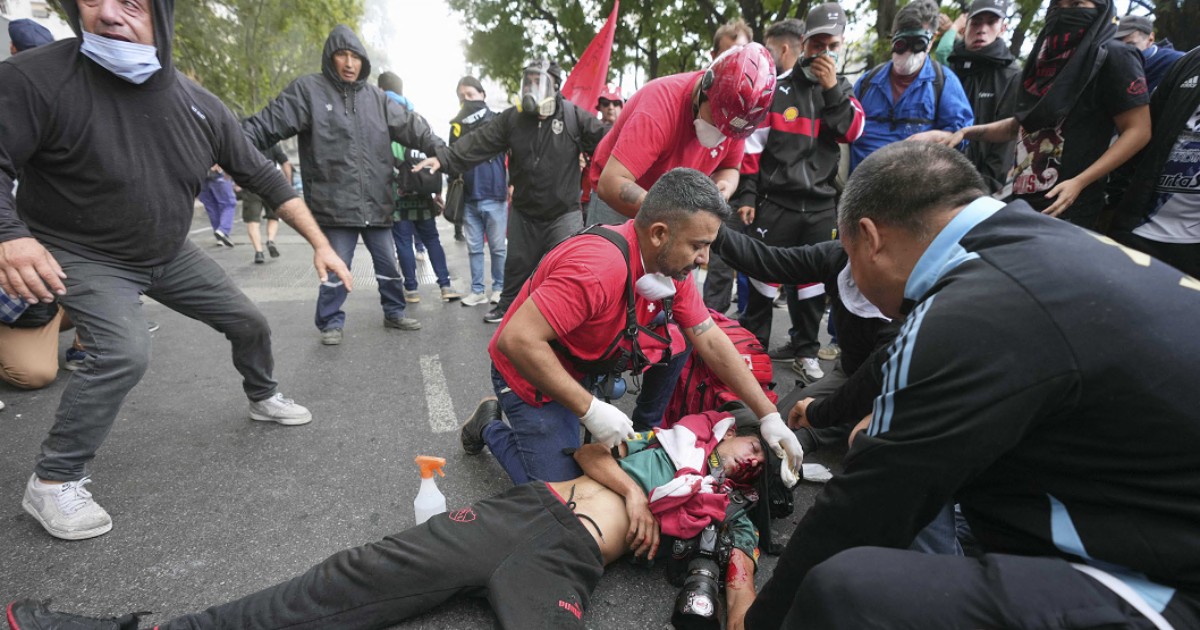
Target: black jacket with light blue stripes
[{"x": 1045, "y": 379}]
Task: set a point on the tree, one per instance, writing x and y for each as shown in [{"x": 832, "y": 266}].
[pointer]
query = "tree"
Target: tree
[
  {"x": 655, "y": 37},
  {"x": 1179, "y": 22},
  {"x": 246, "y": 51}
]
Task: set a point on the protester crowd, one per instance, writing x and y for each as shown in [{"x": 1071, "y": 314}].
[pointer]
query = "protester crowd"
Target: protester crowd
[{"x": 984, "y": 233}]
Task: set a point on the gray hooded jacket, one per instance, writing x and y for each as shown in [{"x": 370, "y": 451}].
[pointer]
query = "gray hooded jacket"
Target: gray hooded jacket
[{"x": 346, "y": 132}]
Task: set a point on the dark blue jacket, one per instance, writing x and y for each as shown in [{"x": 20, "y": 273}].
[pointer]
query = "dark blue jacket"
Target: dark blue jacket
[
  {"x": 1157, "y": 59},
  {"x": 489, "y": 180}
]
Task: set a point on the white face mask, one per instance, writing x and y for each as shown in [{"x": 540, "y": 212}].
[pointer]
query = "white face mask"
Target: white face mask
[
  {"x": 135, "y": 63},
  {"x": 654, "y": 286},
  {"x": 908, "y": 63},
  {"x": 709, "y": 136}
]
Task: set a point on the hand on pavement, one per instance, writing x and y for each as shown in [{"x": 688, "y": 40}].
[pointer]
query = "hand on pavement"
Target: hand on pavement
[
  {"x": 782, "y": 440},
  {"x": 29, "y": 272},
  {"x": 607, "y": 424}
]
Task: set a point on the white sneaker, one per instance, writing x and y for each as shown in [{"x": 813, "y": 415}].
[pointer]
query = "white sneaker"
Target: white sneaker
[
  {"x": 1, "y": 404},
  {"x": 495, "y": 299},
  {"x": 66, "y": 510},
  {"x": 281, "y": 410},
  {"x": 475, "y": 299},
  {"x": 809, "y": 369}
]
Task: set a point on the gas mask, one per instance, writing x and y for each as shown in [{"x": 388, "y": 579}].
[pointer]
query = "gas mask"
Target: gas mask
[
  {"x": 909, "y": 50},
  {"x": 538, "y": 90}
]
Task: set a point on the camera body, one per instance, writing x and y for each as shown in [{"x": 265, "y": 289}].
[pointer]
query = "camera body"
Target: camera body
[{"x": 696, "y": 565}]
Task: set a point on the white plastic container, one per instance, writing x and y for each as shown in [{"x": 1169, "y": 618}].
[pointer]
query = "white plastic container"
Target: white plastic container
[{"x": 430, "y": 501}]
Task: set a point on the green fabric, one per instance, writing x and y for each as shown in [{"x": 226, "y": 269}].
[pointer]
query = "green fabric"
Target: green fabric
[
  {"x": 652, "y": 467},
  {"x": 945, "y": 46}
]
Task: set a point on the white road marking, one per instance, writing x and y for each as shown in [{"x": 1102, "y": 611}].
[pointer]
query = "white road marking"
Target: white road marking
[{"x": 437, "y": 395}]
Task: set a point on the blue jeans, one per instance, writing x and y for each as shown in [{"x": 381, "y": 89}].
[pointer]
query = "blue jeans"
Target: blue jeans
[
  {"x": 383, "y": 254},
  {"x": 530, "y": 445},
  {"x": 426, "y": 232},
  {"x": 486, "y": 217},
  {"x": 940, "y": 536}
]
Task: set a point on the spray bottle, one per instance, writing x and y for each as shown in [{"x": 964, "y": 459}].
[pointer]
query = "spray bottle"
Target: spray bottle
[{"x": 430, "y": 500}]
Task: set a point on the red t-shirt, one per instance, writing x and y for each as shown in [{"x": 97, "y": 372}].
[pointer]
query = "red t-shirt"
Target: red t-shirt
[
  {"x": 579, "y": 287},
  {"x": 655, "y": 133}
]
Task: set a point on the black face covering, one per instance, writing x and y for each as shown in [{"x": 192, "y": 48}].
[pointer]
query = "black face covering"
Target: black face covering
[
  {"x": 1067, "y": 55},
  {"x": 1061, "y": 21}
]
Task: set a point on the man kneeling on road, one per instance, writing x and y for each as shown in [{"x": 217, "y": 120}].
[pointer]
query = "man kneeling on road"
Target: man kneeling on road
[
  {"x": 535, "y": 551},
  {"x": 574, "y": 319}
]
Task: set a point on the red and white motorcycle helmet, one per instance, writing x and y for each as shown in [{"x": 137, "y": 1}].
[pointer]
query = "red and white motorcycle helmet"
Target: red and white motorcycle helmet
[{"x": 740, "y": 85}]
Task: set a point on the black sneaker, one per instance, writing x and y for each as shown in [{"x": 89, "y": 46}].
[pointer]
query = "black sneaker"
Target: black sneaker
[
  {"x": 258, "y": 258},
  {"x": 30, "y": 615},
  {"x": 223, "y": 238},
  {"x": 784, "y": 353},
  {"x": 494, "y": 316},
  {"x": 487, "y": 412},
  {"x": 274, "y": 251}
]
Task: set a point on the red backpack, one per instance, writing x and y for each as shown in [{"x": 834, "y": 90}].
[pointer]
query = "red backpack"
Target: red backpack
[{"x": 700, "y": 390}]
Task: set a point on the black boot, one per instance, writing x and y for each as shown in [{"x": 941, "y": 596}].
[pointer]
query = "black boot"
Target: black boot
[{"x": 487, "y": 412}]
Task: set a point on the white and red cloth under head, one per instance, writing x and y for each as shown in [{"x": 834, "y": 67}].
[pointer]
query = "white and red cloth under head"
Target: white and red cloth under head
[{"x": 694, "y": 498}]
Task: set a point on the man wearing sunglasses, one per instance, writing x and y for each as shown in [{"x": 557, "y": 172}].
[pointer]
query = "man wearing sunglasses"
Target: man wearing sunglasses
[{"x": 911, "y": 93}]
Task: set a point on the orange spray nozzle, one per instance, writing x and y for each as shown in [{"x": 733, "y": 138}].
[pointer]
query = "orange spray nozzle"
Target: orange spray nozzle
[{"x": 429, "y": 464}]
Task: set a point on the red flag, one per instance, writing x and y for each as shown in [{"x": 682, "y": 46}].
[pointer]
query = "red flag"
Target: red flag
[{"x": 588, "y": 76}]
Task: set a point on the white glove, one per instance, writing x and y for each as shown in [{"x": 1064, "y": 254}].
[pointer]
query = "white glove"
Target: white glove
[
  {"x": 781, "y": 440},
  {"x": 609, "y": 425}
]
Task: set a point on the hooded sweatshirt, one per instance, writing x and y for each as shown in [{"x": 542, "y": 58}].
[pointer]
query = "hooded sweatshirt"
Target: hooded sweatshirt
[
  {"x": 991, "y": 78},
  {"x": 346, "y": 130},
  {"x": 488, "y": 181},
  {"x": 109, "y": 169}
]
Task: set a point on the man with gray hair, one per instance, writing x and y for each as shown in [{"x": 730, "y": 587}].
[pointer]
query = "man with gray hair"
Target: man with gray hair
[{"x": 1075, "y": 458}]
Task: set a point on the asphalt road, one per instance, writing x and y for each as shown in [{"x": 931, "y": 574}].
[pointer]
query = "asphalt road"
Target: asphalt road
[{"x": 209, "y": 506}]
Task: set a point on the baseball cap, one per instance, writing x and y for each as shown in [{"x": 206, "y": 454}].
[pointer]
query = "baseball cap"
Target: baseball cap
[
  {"x": 1133, "y": 23},
  {"x": 999, "y": 7},
  {"x": 828, "y": 18}
]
